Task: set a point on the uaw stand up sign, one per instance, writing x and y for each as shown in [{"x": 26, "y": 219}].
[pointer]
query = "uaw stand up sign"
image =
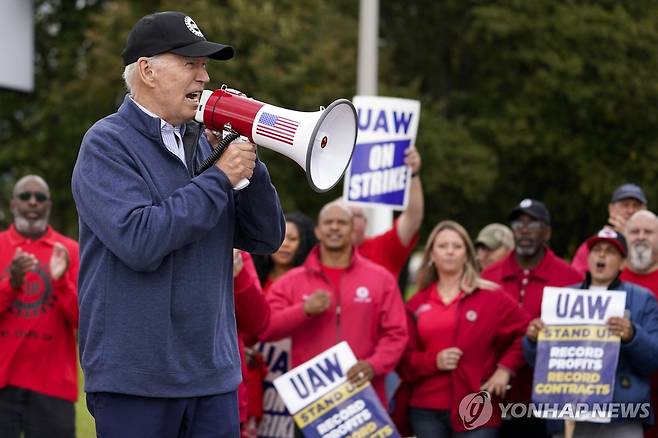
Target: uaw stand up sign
[
  {"x": 377, "y": 175},
  {"x": 576, "y": 354},
  {"x": 324, "y": 404}
]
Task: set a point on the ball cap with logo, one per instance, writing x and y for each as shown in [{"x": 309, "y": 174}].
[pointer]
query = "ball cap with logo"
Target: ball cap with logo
[
  {"x": 172, "y": 32},
  {"x": 533, "y": 208},
  {"x": 611, "y": 236}
]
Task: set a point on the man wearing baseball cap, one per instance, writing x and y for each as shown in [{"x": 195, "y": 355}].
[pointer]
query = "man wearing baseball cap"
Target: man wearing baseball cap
[
  {"x": 157, "y": 332},
  {"x": 625, "y": 201},
  {"x": 638, "y": 330},
  {"x": 494, "y": 242},
  {"x": 524, "y": 274}
]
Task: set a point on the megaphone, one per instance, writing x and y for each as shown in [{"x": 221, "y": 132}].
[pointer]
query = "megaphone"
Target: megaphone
[{"x": 321, "y": 142}]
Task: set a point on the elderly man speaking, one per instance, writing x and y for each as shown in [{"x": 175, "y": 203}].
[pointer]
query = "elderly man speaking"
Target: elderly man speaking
[{"x": 157, "y": 326}]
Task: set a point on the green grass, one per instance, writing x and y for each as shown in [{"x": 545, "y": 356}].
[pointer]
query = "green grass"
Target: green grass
[{"x": 84, "y": 422}]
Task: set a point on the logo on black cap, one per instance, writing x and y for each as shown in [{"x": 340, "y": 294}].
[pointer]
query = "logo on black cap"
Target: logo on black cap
[{"x": 193, "y": 26}]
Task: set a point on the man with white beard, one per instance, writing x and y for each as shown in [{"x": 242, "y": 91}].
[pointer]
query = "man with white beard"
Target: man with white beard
[
  {"x": 642, "y": 263},
  {"x": 38, "y": 319},
  {"x": 642, "y": 268}
]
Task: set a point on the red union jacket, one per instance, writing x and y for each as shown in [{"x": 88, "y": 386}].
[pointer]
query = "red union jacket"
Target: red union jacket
[
  {"x": 38, "y": 322},
  {"x": 486, "y": 321},
  {"x": 252, "y": 315},
  {"x": 370, "y": 316}
]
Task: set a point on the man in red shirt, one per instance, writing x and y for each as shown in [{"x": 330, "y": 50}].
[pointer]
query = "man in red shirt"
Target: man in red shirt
[
  {"x": 642, "y": 263},
  {"x": 392, "y": 248},
  {"x": 338, "y": 295},
  {"x": 524, "y": 274},
  {"x": 38, "y": 319},
  {"x": 642, "y": 268}
]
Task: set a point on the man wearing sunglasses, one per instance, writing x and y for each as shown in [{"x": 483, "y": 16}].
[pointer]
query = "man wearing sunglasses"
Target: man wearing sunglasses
[{"x": 38, "y": 319}]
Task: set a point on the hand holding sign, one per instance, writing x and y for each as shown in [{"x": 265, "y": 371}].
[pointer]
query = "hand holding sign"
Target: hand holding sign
[
  {"x": 317, "y": 303},
  {"x": 621, "y": 327},
  {"x": 535, "y": 326},
  {"x": 412, "y": 159},
  {"x": 360, "y": 373}
]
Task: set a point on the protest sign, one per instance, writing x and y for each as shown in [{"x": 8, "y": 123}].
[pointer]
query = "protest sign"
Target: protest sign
[
  {"x": 377, "y": 175},
  {"x": 576, "y": 353},
  {"x": 324, "y": 404},
  {"x": 276, "y": 421}
]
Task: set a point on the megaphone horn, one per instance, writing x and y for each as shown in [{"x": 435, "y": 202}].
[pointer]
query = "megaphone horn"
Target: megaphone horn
[{"x": 321, "y": 142}]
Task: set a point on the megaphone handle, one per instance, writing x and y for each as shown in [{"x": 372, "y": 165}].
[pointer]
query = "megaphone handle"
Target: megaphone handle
[
  {"x": 244, "y": 182},
  {"x": 217, "y": 152}
]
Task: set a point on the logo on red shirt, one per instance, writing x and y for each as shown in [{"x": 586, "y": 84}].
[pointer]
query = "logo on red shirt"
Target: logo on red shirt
[
  {"x": 36, "y": 296},
  {"x": 362, "y": 295}
]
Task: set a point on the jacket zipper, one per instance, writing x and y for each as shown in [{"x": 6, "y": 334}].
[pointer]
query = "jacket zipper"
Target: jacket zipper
[{"x": 339, "y": 306}]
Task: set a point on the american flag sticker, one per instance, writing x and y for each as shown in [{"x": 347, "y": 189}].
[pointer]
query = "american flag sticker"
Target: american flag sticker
[{"x": 277, "y": 128}]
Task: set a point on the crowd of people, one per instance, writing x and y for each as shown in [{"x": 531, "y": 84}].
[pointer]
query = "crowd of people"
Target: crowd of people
[{"x": 179, "y": 279}]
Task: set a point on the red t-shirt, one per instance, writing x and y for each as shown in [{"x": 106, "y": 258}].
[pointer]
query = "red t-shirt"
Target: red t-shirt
[
  {"x": 38, "y": 323},
  {"x": 436, "y": 323},
  {"x": 650, "y": 280},
  {"x": 333, "y": 275},
  {"x": 387, "y": 250}
]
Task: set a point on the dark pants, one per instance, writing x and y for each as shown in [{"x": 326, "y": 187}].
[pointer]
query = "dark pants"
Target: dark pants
[
  {"x": 430, "y": 423},
  {"x": 35, "y": 415},
  {"x": 129, "y": 416},
  {"x": 524, "y": 427}
]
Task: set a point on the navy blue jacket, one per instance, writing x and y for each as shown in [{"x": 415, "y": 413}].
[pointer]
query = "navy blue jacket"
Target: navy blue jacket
[
  {"x": 155, "y": 284},
  {"x": 638, "y": 358}
]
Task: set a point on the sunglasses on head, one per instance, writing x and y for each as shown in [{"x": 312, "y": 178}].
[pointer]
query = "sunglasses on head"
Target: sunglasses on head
[{"x": 25, "y": 196}]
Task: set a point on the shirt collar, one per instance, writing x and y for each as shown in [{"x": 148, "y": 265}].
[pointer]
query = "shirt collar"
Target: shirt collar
[
  {"x": 511, "y": 267},
  {"x": 17, "y": 238},
  {"x": 164, "y": 126}
]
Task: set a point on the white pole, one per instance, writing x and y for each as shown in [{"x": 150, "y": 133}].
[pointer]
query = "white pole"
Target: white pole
[{"x": 379, "y": 219}]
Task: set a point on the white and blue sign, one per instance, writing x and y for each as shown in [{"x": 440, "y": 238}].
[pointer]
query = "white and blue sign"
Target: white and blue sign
[
  {"x": 377, "y": 175},
  {"x": 577, "y": 354},
  {"x": 276, "y": 421},
  {"x": 324, "y": 404}
]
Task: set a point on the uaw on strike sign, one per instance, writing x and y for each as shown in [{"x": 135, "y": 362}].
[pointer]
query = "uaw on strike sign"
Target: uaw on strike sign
[
  {"x": 324, "y": 404},
  {"x": 576, "y": 353},
  {"x": 377, "y": 175}
]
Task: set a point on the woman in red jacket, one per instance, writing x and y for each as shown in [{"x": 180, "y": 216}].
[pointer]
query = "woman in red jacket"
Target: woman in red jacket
[{"x": 464, "y": 341}]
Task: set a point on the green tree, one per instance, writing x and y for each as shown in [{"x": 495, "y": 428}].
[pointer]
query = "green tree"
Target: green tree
[{"x": 557, "y": 94}]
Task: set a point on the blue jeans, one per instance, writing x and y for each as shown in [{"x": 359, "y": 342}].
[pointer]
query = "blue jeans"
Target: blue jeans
[
  {"x": 129, "y": 416},
  {"x": 431, "y": 423}
]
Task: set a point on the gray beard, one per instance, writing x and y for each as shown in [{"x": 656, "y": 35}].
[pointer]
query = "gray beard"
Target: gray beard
[
  {"x": 640, "y": 256},
  {"x": 30, "y": 227},
  {"x": 524, "y": 251}
]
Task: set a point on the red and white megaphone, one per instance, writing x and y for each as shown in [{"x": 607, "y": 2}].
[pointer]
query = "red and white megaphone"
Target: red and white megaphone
[{"x": 322, "y": 142}]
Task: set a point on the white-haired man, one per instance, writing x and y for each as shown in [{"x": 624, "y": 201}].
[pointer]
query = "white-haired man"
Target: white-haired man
[
  {"x": 158, "y": 339},
  {"x": 642, "y": 268}
]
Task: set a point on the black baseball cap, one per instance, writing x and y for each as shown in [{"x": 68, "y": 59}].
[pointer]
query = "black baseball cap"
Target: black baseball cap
[
  {"x": 173, "y": 32},
  {"x": 628, "y": 191},
  {"x": 611, "y": 236},
  {"x": 533, "y": 208}
]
